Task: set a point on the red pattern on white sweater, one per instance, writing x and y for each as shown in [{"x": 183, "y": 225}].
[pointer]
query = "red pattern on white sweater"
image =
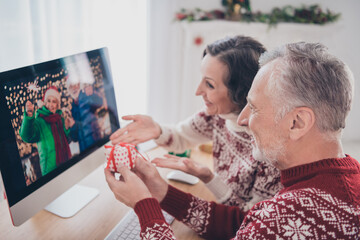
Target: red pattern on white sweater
[
  {"x": 320, "y": 201},
  {"x": 249, "y": 180}
]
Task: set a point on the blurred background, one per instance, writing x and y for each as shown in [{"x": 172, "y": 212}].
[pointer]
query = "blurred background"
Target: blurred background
[
  {"x": 176, "y": 48},
  {"x": 40, "y": 30},
  {"x": 155, "y": 51}
]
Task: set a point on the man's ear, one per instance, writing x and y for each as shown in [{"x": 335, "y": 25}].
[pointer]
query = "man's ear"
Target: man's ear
[{"x": 303, "y": 119}]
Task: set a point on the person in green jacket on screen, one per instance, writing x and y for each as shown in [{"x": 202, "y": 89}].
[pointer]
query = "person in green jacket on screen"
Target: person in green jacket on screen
[{"x": 48, "y": 130}]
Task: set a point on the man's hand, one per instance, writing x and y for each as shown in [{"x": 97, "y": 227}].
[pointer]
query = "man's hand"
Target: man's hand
[
  {"x": 186, "y": 165},
  {"x": 130, "y": 189},
  {"x": 157, "y": 186},
  {"x": 142, "y": 129},
  {"x": 69, "y": 122}
]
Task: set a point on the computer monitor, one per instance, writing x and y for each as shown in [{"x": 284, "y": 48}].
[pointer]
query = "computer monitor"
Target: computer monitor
[{"x": 46, "y": 148}]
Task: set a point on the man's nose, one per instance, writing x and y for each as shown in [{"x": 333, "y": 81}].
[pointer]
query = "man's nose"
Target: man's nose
[{"x": 243, "y": 118}]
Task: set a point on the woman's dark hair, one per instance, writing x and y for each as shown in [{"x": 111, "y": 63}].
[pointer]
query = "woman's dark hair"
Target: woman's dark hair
[{"x": 240, "y": 54}]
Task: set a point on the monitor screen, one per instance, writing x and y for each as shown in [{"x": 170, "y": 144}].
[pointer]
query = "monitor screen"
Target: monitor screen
[{"x": 55, "y": 117}]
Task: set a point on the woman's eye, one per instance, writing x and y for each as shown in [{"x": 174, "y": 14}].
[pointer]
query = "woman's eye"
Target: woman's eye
[{"x": 209, "y": 85}]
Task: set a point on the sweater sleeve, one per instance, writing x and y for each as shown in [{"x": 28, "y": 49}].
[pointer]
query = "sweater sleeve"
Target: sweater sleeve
[
  {"x": 294, "y": 214},
  {"x": 186, "y": 134},
  {"x": 29, "y": 130},
  {"x": 219, "y": 188},
  {"x": 152, "y": 221},
  {"x": 208, "y": 219}
]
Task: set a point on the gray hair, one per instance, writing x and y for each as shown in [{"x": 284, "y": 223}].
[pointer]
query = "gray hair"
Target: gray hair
[{"x": 306, "y": 75}]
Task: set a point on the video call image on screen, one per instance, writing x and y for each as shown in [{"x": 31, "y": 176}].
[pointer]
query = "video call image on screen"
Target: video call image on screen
[{"x": 58, "y": 114}]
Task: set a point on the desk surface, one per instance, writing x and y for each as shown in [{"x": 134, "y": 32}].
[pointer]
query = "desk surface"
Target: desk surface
[{"x": 99, "y": 217}]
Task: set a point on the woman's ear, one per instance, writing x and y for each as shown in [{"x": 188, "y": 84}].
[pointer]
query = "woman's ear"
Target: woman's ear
[{"x": 303, "y": 119}]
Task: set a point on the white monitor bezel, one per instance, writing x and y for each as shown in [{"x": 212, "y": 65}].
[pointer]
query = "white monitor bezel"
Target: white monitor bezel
[{"x": 20, "y": 212}]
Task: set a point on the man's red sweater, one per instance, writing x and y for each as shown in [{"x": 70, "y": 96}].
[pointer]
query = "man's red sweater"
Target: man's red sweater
[{"x": 320, "y": 200}]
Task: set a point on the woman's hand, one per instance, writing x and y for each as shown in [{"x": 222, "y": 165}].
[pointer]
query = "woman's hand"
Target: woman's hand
[
  {"x": 186, "y": 165},
  {"x": 142, "y": 129},
  {"x": 130, "y": 189},
  {"x": 29, "y": 108}
]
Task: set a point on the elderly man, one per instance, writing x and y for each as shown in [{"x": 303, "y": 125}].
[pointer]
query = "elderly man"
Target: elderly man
[{"x": 296, "y": 111}]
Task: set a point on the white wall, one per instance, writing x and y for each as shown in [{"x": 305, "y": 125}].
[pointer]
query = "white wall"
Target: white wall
[
  {"x": 36, "y": 31},
  {"x": 165, "y": 46}
]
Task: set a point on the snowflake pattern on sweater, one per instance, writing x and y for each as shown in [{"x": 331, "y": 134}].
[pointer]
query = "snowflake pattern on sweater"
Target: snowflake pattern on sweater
[
  {"x": 198, "y": 215},
  {"x": 158, "y": 232},
  {"x": 301, "y": 214},
  {"x": 320, "y": 200},
  {"x": 250, "y": 181}
]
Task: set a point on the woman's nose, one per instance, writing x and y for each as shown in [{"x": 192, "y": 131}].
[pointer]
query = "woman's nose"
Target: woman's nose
[{"x": 199, "y": 90}]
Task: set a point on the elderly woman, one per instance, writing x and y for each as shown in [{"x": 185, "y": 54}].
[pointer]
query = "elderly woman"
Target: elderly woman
[
  {"x": 47, "y": 129},
  {"x": 228, "y": 68}
]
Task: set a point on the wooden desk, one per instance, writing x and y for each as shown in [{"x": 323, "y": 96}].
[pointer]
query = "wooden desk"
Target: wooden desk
[{"x": 99, "y": 217}]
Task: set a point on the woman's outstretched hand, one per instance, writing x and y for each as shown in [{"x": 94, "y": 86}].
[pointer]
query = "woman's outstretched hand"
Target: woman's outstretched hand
[
  {"x": 142, "y": 129},
  {"x": 186, "y": 165}
]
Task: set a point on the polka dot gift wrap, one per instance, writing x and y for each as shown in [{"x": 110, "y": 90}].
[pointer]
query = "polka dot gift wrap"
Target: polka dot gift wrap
[{"x": 122, "y": 154}]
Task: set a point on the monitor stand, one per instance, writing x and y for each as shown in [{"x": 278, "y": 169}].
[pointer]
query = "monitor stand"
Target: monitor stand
[{"x": 72, "y": 201}]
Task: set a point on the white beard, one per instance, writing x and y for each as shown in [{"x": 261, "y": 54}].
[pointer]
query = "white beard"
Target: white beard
[{"x": 272, "y": 154}]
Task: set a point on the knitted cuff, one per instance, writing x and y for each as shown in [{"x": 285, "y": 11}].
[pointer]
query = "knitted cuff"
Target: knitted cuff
[
  {"x": 176, "y": 203},
  {"x": 221, "y": 191},
  {"x": 148, "y": 210},
  {"x": 164, "y": 136}
]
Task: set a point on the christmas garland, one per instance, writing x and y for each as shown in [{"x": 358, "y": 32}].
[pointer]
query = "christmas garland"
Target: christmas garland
[{"x": 312, "y": 15}]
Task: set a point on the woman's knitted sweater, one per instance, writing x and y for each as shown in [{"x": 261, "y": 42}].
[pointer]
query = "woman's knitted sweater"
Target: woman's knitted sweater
[{"x": 240, "y": 180}]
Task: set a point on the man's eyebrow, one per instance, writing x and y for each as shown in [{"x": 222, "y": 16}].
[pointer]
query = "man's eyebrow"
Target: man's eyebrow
[{"x": 249, "y": 101}]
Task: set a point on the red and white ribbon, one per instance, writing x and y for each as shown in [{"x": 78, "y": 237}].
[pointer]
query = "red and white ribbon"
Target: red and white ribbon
[{"x": 122, "y": 154}]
